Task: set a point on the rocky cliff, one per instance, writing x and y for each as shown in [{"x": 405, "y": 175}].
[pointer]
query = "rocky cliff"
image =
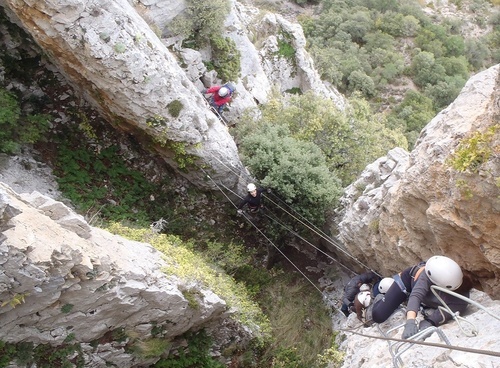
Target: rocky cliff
[
  {"x": 63, "y": 281},
  {"x": 442, "y": 198},
  {"x": 149, "y": 86}
]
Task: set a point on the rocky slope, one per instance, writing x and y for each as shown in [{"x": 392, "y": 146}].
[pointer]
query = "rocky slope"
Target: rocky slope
[
  {"x": 408, "y": 206},
  {"x": 113, "y": 58},
  {"x": 60, "y": 277}
]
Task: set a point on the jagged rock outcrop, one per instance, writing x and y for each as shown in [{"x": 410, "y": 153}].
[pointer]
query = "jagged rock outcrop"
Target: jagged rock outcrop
[
  {"x": 115, "y": 60},
  {"x": 407, "y": 207},
  {"x": 110, "y": 54},
  {"x": 365, "y": 352},
  {"x": 61, "y": 277}
]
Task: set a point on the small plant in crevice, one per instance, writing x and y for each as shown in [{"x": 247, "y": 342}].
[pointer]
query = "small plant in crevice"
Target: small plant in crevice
[
  {"x": 174, "y": 108},
  {"x": 15, "y": 300},
  {"x": 196, "y": 354},
  {"x": 475, "y": 150},
  {"x": 66, "y": 308},
  {"x": 192, "y": 298},
  {"x": 120, "y": 48}
]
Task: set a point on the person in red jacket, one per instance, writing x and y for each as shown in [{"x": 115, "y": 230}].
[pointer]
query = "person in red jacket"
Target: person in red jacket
[{"x": 220, "y": 96}]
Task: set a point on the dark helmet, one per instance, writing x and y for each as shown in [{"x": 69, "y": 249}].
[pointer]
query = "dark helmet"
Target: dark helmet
[{"x": 230, "y": 86}]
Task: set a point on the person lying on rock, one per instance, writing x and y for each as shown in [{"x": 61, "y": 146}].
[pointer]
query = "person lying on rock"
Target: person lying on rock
[
  {"x": 352, "y": 288},
  {"x": 413, "y": 285}
]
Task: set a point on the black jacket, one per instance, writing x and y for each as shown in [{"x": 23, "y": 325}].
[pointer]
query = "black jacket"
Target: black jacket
[{"x": 253, "y": 202}]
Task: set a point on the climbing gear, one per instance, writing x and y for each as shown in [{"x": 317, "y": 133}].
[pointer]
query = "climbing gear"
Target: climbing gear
[
  {"x": 411, "y": 328},
  {"x": 444, "y": 272},
  {"x": 364, "y": 298},
  {"x": 251, "y": 187},
  {"x": 223, "y": 91},
  {"x": 364, "y": 287},
  {"x": 230, "y": 86},
  {"x": 385, "y": 284}
]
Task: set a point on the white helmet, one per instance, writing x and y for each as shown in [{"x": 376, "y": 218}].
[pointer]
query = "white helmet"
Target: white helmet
[
  {"x": 365, "y": 298},
  {"x": 385, "y": 284},
  {"x": 223, "y": 91},
  {"x": 444, "y": 272},
  {"x": 251, "y": 187},
  {"x": 364, "y": 287}
]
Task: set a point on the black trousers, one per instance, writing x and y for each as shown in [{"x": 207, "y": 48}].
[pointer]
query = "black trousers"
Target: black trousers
[{"x": 383, "y": 308}]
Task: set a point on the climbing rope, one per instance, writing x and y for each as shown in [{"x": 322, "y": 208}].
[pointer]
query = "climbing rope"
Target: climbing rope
[
  {"x": 264, "y": 235},
  {"x": 459, "y": 319},
  {"x": 302, "y": 220},
  {"x": 272, "y": 218},
  {"x": 318, "y": 232},
  {"x": 437, "y": 345}
]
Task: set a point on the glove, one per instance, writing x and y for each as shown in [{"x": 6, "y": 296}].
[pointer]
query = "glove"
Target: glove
[
  {"x": 239, "y": 212},
  {"x": 411, "y": 329},
  {"x": 425, "y": 323},
  {"x": 268, "y": 190}
]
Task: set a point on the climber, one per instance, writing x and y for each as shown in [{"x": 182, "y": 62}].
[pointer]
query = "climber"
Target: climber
[
  {"x": 382, "y": 286},
  {"x": 352, "y": 288},
  {"x": 414, "y": 286},
  {"x": 220, "y": 95},
  {"x": 253, "y": 199},
  {"x": 362, "y": 302}
]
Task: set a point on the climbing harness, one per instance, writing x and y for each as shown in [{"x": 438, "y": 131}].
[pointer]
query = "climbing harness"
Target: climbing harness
[
  {"x": 216, "y": 112},
  {"x": 398, "y": 346}
]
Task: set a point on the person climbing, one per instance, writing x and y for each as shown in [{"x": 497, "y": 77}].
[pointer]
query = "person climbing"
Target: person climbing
[
  {"x": 382, "y": 286},
  {"x": 253, "y": 199},
  {"x": 414, "y": 286},
  {"x": 362, "y": 302},
  {"x": 220, "y": 96},
  {"x": 352, "y": 288}
]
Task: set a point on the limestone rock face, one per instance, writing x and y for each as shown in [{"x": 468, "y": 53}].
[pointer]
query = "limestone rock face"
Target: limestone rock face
[
  {"x": 112, "y": 53},
  {"x": 408, "y": 207},
  {"x": 114, "y": 59},
  {"x": 59, "y": 276},
  {"x": 363, "y": 352}
]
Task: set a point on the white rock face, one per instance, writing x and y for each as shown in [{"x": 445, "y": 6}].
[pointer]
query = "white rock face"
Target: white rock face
[
  {"x": 109, "y": 52},
  {"x": 59, "y": 276},
  {"x": 114, "y": 59},
  {"x": 408, "y": 207},
  {"x": 366, "y": 352}
]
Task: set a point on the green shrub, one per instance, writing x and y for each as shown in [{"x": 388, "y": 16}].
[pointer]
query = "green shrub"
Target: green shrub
[
  {"x": 174, "y": 108},
  {"x": 226, "y": 58},
  {"x": 196, "y": 354},
  {"x": 473, "y": 151},
  {"x": 17, "y": 128},
  {"x": 202, "y": 19},
  {"x": 297, "y": 170}
]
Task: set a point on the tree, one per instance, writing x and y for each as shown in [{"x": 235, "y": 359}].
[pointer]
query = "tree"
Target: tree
[
  {"x": 202, "y": 19},
  {"x": 425, "y": 70},
  {"x": 349, "y": 140},
  {"x": 295, "y": 169},
  {"x": 445, "y": 92},
  {"x": 359, "y": 81}
]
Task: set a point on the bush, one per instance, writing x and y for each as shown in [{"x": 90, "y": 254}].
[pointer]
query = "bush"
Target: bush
[
  {"x": 202, "y": 19},
  {"x": 17, "y": 128},
  {"x": 296, "y": 170},
  {"x": 226, "y": 59}
]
